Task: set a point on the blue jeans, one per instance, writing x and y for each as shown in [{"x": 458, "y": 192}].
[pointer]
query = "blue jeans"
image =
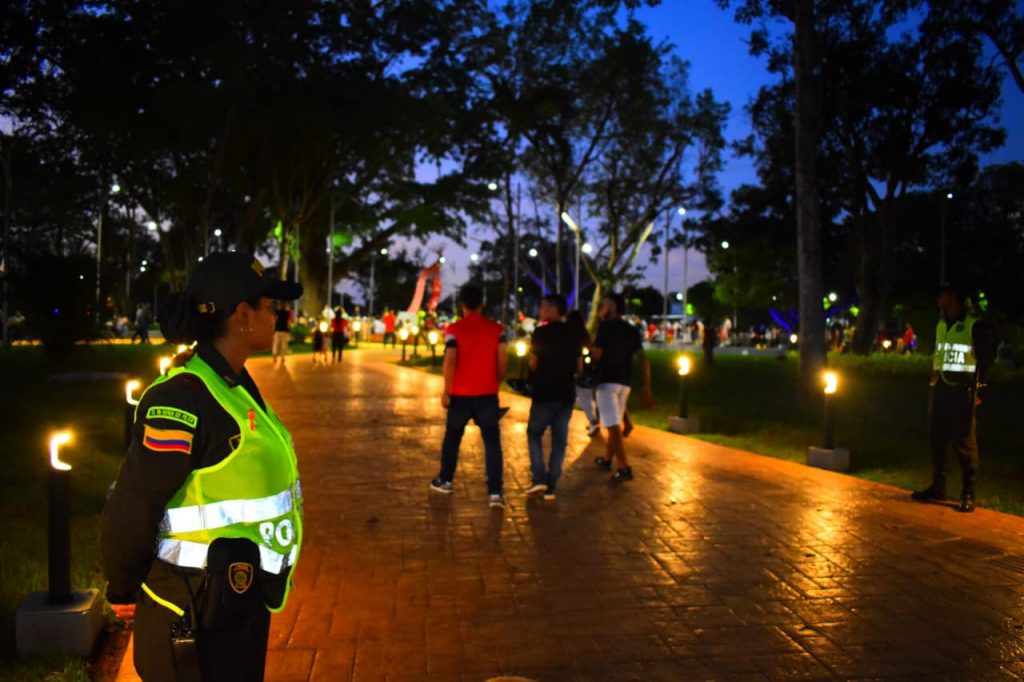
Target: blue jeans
[
  {"x": 482, "y": 409},
  {"x": 542, "y": 416}
]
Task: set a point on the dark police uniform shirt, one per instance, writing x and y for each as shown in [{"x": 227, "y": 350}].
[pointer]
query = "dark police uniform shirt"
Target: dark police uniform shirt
[{"x": 204, "y": 434}]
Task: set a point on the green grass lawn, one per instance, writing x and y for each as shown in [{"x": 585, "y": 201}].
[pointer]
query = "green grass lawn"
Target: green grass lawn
[
  {"x": 32, "y": 407},
  {"x": 753, "y": 403}
]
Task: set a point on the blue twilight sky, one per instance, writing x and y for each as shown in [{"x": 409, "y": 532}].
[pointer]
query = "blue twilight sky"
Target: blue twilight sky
[{"x": 716, "y": 48}]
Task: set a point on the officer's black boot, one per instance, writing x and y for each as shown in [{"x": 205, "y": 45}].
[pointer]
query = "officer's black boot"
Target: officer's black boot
[{"x": 935, "y": 492}]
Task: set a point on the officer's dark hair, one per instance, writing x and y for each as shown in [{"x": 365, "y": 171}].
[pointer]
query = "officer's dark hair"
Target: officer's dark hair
[
  {"x": 181, "y": 322},
  {"x": 618, "y": 300},
  {"x": 558, "y": 301},
  {"x": 471, "y": 296}
]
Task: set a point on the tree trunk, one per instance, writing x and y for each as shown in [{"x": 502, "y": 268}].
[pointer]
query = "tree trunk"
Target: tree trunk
[
  {"x": 807, "y": 124},
  {"x": 595, "y": 303},
  {"x": 874, "y": 279}
]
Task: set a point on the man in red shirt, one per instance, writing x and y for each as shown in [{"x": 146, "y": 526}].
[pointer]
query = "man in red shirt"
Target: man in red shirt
[
  {"x": 389, "y": 327},
  {"x": 475, "y": 360}
]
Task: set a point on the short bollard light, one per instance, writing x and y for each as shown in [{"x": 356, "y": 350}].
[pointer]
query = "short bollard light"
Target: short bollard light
[
  {"x": 828, "y": 456},
  {"x": 60, "y": 620},
  {"x": 683, "y": 422},
  {"x": 130, "y": 403},
  {"x": 165, "y": 364},
  {"x": 403, "y": 334},
  {"x": 323, "y": 327},
  {"x": 415, "y": 331},
  {"x": 683, "y": 364},
  {"x": 831, "y": 386},
  {"x": 356, "y": 327},
  {"x": 793, "y": 338},
  {"x": 521, "y": 350},
  {"x": 432, "y": 340},
  {"x": 181, "y": 348}
]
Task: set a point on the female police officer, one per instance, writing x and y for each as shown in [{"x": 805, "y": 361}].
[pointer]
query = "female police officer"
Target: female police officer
[{"x": 203, "y": 528}]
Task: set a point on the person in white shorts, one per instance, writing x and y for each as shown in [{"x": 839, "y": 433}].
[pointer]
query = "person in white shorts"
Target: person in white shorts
[{"x": 616, "y": 343}]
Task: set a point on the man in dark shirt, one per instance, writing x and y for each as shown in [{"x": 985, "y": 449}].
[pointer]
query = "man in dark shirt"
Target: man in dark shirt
[
  {"x": 282, "y": 330},
  {"x": 554, "y": 361},
  {"x": 616, "y": 343}
]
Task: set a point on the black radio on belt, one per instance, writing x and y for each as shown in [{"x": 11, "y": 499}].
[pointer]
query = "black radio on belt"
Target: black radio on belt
[{"x": 183, "y": 644}]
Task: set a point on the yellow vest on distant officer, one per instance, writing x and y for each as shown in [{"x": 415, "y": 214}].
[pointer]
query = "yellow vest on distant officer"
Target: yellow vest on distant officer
[
  {"x": 253, "y": 493},
  {"x": 954, "y": 350}
]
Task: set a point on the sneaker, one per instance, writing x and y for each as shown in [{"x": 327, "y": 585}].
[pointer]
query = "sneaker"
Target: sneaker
[
  {"x": 536, "y": 488},
  {"x": 593, "y": 429},
  {"x": 441, "y": 486},
  {"x": 496, "y": 501},
  {"x": 549, "y": 494},
  {"x": 622, "y": 475}
]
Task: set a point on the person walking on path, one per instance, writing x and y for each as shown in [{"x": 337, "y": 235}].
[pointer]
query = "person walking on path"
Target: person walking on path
[
  {"x": 339, "y": 328},
  {"x": 554, "y": 362},
  {"x": 965, "y": 350},
  {"x": 389, "y": 328},
  {"x": 203, "y": 528},
  {"x": 616, "y": 343},
  {"x": 142, "y": 321},
  {"x": 585, "y": 378},
  {"x": 282, "y": 330},
  {"x": 475, "y": 360}
]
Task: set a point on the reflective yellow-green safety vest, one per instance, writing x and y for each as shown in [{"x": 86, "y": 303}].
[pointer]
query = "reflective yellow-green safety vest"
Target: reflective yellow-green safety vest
[
  {"x": 252, "y": 493},
  {"x": 954, "y": 350}
]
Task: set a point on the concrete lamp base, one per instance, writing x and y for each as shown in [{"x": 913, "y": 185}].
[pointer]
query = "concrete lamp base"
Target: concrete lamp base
[
  {"x": 683, "y": 424},
  {"x": 59, "y": 628},
  {"x": 833, "y": 460}
]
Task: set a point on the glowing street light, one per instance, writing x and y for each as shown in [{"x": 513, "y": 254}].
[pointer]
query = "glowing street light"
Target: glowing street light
[
  {"x": 793, "y": 338},
  {"x": 522, "y": 348},
  {"x": 493, "y": 186},
  {"x": 831, "y": 380},
  {"x": 683, "y": 367},
  {"x": 403, "y": 334},
  {"x": 532, "y": 253},
  {"x": 152, "y": 226},
  {"x": 442, "y": 260},
  {"x": 474, "y": 257},
  {"x": 432, "y": 340},
  {"x": 588, "y": 248},
  {"x": 384, "y": 251},
  {"x": 725, "y": 245},
  {"x": 833, "y": 296},
  {"x": 165, "y": 364},
  {"x": 59, "y": 522},
  {"x": 129, "y": 391},
  {"x": 323, "y": 327},
  {"x": 681, "y": 211},
  {"x": 886, "y": 344},
  {"x": 115, "y": 188},
  {"x": 57, "y": 440}
]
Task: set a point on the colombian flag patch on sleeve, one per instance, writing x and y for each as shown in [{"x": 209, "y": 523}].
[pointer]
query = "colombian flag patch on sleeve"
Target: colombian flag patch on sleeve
[{"x": 167, "y": 440}]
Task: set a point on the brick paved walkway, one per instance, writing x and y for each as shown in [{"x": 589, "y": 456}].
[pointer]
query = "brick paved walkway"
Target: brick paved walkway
[{"x": 712, "y": 564}]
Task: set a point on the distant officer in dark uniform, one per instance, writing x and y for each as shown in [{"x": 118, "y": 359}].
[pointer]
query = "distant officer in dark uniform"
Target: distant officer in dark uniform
[
  {"x": 964, "y": 353},
  {"x": 203, "y": 528}
]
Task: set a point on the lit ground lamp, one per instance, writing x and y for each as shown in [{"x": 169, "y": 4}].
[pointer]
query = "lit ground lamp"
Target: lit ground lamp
[
  {"x": 60, "y": 620},
  {"x": 793, "y": 339},
  {"x": 165, "y": 364},
  {"x": 356, "y": 326},
  {"x": 432, "y": 340},
  {"x": 828, "y": 456},
  {"x": 415, "y": 331},
  {"x": 683, "y": 422},
  {"x": 403, "y": 334},
  {"x": 130, "y": 403},
  {"x": 522, "y": 348}
]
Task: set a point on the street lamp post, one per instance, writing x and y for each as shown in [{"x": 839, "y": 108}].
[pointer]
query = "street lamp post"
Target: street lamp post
[
  {"x": 567, "y": 219},
  {"x": 114, "y": 189},
  {"x": 403, "y": 334},
  {"x": 942, "y": 240}
]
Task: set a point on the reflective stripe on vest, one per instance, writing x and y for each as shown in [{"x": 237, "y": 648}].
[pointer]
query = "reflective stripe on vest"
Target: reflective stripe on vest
[
  {"x": 193, "y": 555},
  {"x": 229, "y": 512}
]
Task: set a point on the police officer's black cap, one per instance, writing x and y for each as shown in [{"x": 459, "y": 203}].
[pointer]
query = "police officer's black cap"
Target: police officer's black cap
[
  {"x": 223, "y": 280},
  {"x": 954, "y": 289}
]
